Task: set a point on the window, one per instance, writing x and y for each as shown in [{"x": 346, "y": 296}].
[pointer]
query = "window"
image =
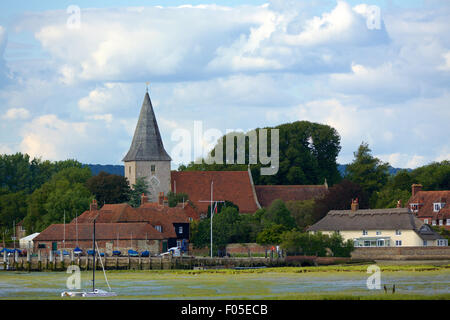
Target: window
[
  {"x": 398, "y": 243},
  {"x": 442, "y": 242},
  {"x": 365, "y": 232},
  {"x": 414, "y": 207},
  {"x": 378, "y": 233},
  {"x": 159, "y": 228},
  {"x": 448, "y": 222},
  {"x": 153, "y": 168},
  {"x": 129, "y": 169},
  {"x": 398, "y": 232},
  {"x": 441, "y": 222},
  {"x": 180, "y": 229},
  {"x": 425, "y": 221},
  {"x": 434, "y": 222},
  {"x": 424, "y": 243},
  {"x": 437, "y": 206},
  {"x": 178, "y": 243}
]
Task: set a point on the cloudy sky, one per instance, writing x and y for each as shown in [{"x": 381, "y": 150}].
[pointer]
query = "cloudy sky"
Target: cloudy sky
[{"x": 71, "y": 85}]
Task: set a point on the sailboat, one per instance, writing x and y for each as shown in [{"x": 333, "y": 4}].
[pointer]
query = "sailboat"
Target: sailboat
[{"x": 95, "y": 292}]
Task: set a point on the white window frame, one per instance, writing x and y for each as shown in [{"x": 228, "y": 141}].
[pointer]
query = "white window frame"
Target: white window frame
[
  {"x": 180, "y": 229},
  {"x": 437, "y": 206},
  {"x": 378, "y": 233},
  {"x": 425, "y": 243},
  {"x": 365, "y": 232},
  {"x": 179, "y": 243},
  {"x": 448, "y": 222},
  {"x": 398, "y": 243},
  {"x": 441, "y": 222},
  {"x": 442, "y": 242},
  {"x": 433, "y": 222},
  {"x": 398, "y": 232},
  {"x": 425, "y": 221},
  {"x": 159, "y": 228}
]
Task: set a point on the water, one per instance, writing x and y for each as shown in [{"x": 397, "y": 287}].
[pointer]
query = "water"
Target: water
[{"x": 151, "y": 285}]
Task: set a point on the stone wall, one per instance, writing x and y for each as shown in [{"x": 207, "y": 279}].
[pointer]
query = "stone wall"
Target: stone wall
[{"x": 402, "y": 253}]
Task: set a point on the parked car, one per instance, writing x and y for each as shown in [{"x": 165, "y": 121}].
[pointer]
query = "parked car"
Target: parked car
[{"x": 175, "y": 252}]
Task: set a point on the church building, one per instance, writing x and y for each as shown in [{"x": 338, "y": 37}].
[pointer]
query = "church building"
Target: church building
[{"x": 148, "y": 159}]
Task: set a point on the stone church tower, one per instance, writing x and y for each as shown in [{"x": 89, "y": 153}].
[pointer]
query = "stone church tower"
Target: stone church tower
[{"x": 147, "y": 156}]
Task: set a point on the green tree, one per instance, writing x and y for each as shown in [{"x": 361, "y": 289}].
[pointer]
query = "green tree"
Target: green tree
[
  {"x": 277, "y": 213},
  {"x": 434, "y": 176},
  {"x": 367, "y": 171},
  {"x": 176, "y": 198},
  {"x": 302, "y": 212},
  {"x": 64, "y": 194},
  {"x": 13, "y": 207},
  {"x": 308, "y": 153},
  {"x": 109, "y": 188},
  {"x": 141, "y": 187},
  {"x": 271, "y": 234}
]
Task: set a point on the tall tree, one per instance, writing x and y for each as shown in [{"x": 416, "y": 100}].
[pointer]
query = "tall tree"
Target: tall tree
[
  {"x": 141, "y": 187},
  {"x": 367, "y": 171},
  {"x": 109, "y": 188}
]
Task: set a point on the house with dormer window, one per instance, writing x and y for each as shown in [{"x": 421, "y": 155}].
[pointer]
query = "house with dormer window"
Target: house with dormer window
[{"x": 432, "y": 207}]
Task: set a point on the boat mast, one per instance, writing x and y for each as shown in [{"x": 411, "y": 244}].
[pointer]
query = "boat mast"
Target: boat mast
[{"x": 93, "y": 268}]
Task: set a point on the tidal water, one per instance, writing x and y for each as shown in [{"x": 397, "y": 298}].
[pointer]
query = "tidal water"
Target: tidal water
[{"x": 148, "y": 285}]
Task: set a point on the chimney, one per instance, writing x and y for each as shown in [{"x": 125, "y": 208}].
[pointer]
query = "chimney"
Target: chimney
[
  {"x": 144, "y": 199},
  {"x": 355, "y": 204},
  {"x": 399, "y": 204},
  {"x": 93, "y": 206},
  {"x": 415, "y": 188}
]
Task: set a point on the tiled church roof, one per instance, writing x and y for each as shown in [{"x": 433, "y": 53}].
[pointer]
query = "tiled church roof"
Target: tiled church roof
[
  {"x": 147, "y": 143},
  {"x": 234, "y": 186}
]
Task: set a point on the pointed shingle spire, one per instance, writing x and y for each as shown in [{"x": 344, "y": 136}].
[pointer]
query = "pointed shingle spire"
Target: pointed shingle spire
[{"x": 147, "y": 143}]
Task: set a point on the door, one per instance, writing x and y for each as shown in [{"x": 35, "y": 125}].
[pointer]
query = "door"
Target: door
[
  {"x": 164, "y": 244},
  {"x": 54, "y": 246}
]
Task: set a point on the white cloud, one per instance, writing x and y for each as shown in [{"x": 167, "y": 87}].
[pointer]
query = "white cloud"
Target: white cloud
[{"x": 17, "y": 113}]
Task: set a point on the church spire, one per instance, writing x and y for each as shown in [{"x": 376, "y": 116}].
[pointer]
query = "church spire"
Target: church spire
[{"x": 147, "y": 143}]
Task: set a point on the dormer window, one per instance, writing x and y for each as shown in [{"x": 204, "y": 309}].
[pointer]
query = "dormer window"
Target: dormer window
[
  {"x": 437, "y": 206},
  {"x": 414, "y": 207}
]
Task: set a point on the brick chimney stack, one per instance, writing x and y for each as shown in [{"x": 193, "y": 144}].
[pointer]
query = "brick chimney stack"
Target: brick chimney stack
[
  {"x": 144, "y": 199},
  {"x": 93, "y": 206},
  {"x": 415, "y": 188},
  {"x": 355, "y": 204}
]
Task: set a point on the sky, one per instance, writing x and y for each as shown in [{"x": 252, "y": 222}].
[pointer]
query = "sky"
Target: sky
[{"x": 72, "y": 82}]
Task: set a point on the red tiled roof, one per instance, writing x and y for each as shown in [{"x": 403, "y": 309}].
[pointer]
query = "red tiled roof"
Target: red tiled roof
[
  {"x": 267, "y": 194},
  {"x": 103, "y": 231},
  {"x": 426, "y": 200},
  {"x": 234, "y": 186},
  {"x": 153, "y": 213}
]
